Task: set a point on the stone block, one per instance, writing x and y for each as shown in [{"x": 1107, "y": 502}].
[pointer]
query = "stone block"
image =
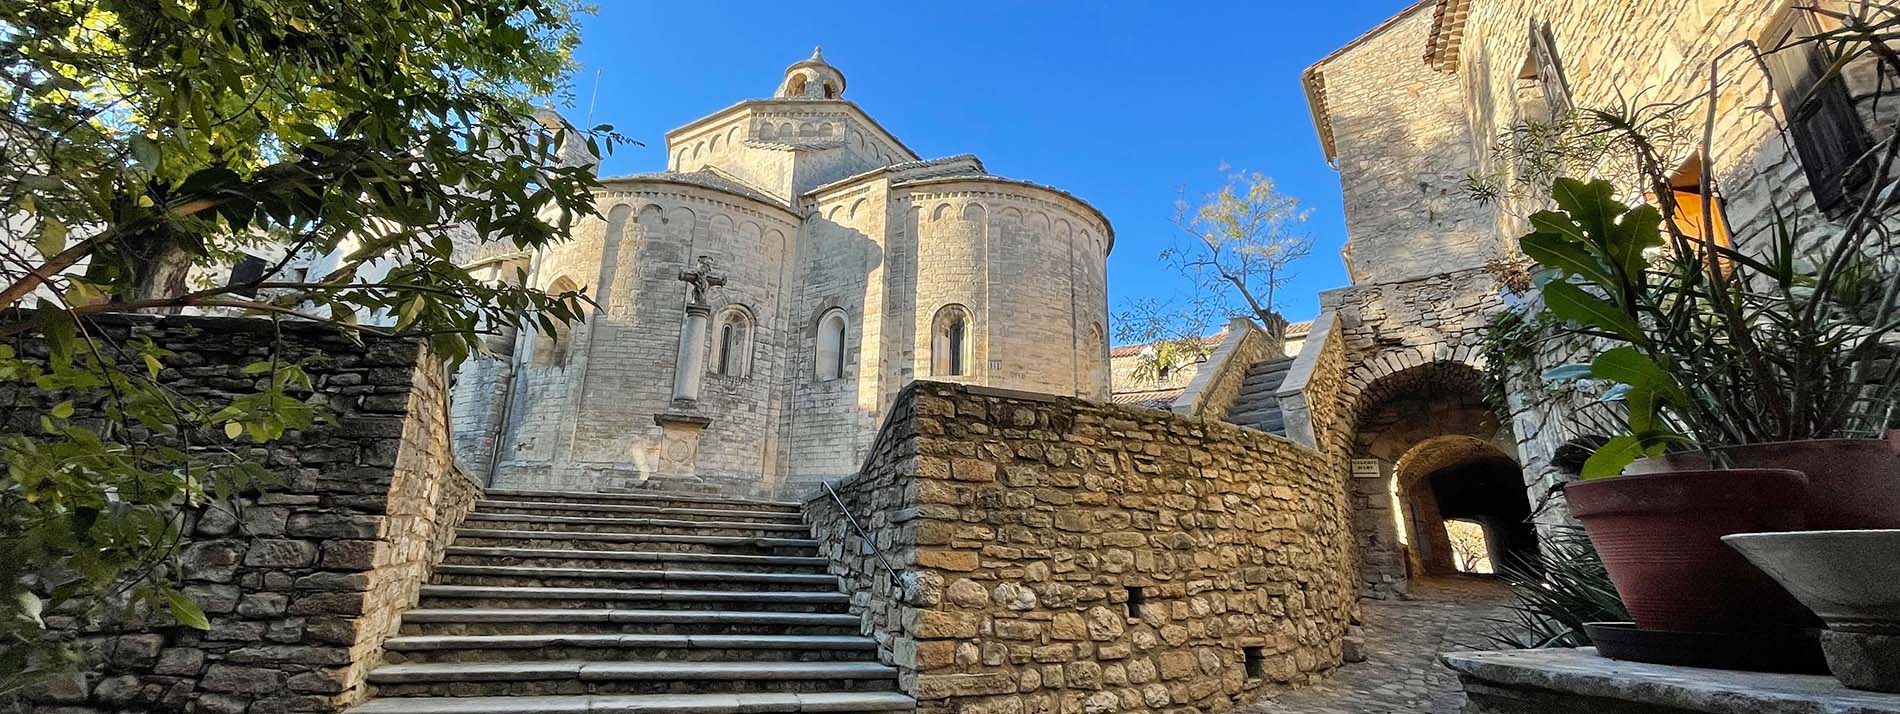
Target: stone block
[
  {"x": 943, "y": 686},
  {"x": 952, "y": 560},
  {"x": 281, "y": 553}
]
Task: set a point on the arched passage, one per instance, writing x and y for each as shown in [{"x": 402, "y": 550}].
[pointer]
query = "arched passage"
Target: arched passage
[{"x": 1427, "y": 450}]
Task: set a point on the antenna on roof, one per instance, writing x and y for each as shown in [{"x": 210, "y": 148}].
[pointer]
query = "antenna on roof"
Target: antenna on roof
[{"x": 592, "y": 98}]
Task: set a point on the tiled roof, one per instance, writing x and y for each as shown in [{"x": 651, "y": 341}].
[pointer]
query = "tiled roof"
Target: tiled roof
[
  {"x": 703, "y": 177},
  {"x": 1148, "y": 398},
  {"x": 1448, "y": 33},
  {"x": 1293, "y": 329},
  {"x": 1132, "y": 350}
]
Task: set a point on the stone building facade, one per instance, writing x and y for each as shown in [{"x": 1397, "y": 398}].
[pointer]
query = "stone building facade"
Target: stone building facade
[
  {"x": 1420, "y": 110},
  {"x": 843, "y": 267}
]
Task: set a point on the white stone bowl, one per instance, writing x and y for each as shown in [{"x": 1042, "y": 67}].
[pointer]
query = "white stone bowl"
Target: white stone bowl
[{"x": 1850, "y": 578}]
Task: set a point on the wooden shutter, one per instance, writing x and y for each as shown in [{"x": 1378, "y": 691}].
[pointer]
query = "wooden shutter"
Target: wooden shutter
[
  {"x": 1828, "y": 134},
  {"x": 1550, "y": 69}
]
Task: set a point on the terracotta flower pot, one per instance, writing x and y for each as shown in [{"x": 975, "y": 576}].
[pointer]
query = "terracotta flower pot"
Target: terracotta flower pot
[
  {"x": 1852, "y": 483},
  {"x": 1660, "y": 537},
  {"x": 1852, "y": 579}
]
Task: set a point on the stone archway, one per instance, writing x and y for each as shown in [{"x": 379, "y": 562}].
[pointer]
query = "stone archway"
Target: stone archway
[
  {"x": 1427, "y": 449},
  {"x": 1458, "y": 477}
]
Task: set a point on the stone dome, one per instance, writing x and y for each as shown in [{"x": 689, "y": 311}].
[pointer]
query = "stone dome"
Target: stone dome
[{"x": 812, "y": 78}]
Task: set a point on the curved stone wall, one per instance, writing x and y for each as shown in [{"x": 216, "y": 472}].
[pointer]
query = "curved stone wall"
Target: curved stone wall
[{"x": 1030, "y": 264}]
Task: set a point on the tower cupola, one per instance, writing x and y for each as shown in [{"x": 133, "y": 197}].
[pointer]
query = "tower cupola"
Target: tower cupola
[{"x": 812, "y": 79}]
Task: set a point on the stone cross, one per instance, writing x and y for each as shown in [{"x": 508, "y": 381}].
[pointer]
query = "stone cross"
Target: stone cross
[{"x": 702, "y": 280}]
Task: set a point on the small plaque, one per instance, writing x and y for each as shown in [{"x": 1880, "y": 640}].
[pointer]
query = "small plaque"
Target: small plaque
[{"x": 1365, "y": 468}]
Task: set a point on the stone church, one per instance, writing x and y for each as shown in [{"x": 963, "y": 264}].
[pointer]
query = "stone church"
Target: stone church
[{"x": 763, "y": 299}]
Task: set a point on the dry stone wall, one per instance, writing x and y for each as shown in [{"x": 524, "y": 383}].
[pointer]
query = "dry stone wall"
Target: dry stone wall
[
  {"x": 1062, "y": 557},
  {"x": 303, "y": 582}
]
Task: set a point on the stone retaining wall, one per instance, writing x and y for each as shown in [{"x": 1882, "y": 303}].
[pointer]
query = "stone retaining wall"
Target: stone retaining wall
[
  {"x": 1063, "y": 557},
  {"x": 1217, "y": 382},
  {"x": 302, "y": 583}
]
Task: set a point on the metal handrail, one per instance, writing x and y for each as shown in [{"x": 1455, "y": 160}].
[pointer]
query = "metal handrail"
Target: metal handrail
[{"x": 897, "y": 580}]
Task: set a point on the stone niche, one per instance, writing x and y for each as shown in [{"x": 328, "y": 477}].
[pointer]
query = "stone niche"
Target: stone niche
[
  {"x": 304, "y": 581},
  {"x": 1031, "y": 554}
]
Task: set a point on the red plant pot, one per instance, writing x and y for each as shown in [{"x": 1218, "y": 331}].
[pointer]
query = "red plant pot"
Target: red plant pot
[
  {"x": 1853, "y": 484},
  {"x": 1660, "y": 537}
]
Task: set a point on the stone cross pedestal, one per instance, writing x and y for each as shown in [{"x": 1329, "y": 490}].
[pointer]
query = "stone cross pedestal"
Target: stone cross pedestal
[{"x": 691, "y": 365}]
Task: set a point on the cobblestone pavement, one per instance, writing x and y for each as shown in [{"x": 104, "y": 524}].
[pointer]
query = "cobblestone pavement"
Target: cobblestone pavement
[{"x": 1401, "y": 674}]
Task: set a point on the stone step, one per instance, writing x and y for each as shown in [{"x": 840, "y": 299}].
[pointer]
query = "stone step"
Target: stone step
[
  {"x": 528, "y": 576},
  {"x": 556, "y": 508},
  {"x": 603, "y": 647},
  {"x": 753, "y": 703},
  {"x": 597, "y": 524},
  {"x": 1258, "y": 392},
  {"x": 529, "y": 678},
  {"x": 679, "y": 543},
  {"x": 568, "y": 558},
  {"x": 660, "y": 499},
  {"x": 484, "y": 621},
  {"x": 629, "y": 598}
]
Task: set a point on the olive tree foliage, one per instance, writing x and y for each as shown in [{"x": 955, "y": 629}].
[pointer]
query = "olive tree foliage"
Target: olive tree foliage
[
  {"x": 1236, "y": 247},
  {"x": 145, "y": 142}
]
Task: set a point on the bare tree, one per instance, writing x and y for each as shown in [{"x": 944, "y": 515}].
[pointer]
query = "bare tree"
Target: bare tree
[{"x": 1245, "y": 238}]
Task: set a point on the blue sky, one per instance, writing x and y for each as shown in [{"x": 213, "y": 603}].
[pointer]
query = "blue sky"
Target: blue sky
[{"x": 1121, "y": 103}]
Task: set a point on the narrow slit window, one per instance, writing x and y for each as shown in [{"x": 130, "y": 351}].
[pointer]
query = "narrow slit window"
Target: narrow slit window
[
  {"x": 830, "y": 353},
  {"x": 1137, "y": 599},
  {"x": 1255, "y": 661}
]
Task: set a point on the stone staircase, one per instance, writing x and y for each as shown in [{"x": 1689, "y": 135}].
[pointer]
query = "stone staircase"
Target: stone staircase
[
  {"x": 1258, "y": 406},
  {"x": 553, "y": 602}
]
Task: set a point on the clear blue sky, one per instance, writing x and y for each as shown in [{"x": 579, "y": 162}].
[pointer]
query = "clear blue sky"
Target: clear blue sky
[{"x": 1120, "y": 103}]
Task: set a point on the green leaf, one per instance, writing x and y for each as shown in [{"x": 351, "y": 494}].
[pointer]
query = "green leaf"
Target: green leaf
[
  {"x": 233, "y": 430},
  {"x": 1628, "y": 366},
  {"x": 30, "y": 607},
  {"x": 187, "y": 612},
  {"x": 1567, "y": 372},
  {"x": 145, "y": 152},
  {"x": 1570, "y": 302},
  {"x": 52, "y": 238},
  {"x": 63, "y": 410},
  {"x": 1559, "y": 252},
  {"x": 1611, "y": 458}
]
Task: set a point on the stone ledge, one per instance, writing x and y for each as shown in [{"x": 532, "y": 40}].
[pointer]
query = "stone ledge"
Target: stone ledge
[{"x": 1577, "y": 681}]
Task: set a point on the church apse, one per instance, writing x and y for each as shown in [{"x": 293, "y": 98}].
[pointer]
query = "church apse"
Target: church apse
[{"x": 836, "y": 244}]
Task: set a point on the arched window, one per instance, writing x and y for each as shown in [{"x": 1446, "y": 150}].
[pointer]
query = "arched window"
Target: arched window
[
  {"x": 731, "y": 343},
  {"x": 550, "y": 350},
  {"x": 950, "y": 341},
  {"x": 831, "y": 351},
  {"x": 830, "y": 92}
]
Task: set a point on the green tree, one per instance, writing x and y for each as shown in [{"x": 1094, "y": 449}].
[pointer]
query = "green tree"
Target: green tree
[{"x": 146, "y": 142}]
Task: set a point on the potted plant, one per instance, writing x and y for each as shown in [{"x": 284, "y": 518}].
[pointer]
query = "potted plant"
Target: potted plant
[{"x": 1751, "y": 388}]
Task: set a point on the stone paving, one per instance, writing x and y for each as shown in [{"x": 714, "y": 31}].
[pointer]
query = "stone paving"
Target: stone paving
[{"x": 1401, "y": 673}]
